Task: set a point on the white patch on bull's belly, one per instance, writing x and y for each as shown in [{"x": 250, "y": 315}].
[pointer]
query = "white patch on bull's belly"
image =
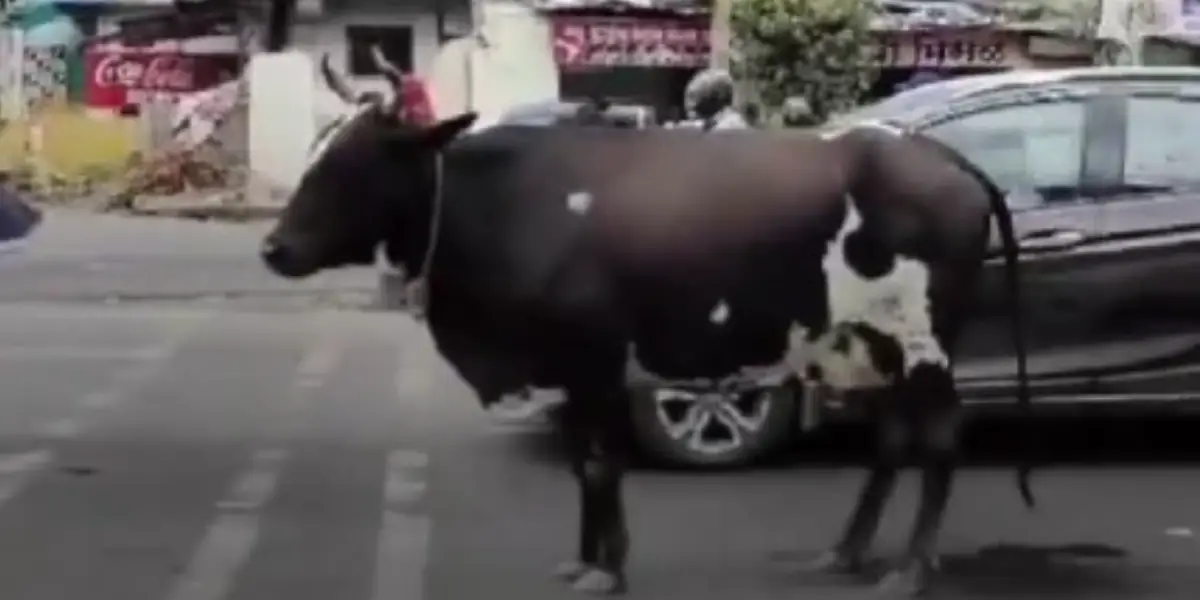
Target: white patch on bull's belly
[
  {"x": 896, "y": 305},
  {"x": 579, "y": 202}
]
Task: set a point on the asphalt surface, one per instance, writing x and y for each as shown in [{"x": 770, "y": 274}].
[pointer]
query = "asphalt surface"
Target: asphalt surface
[
  {"x": 244, "y": 450},
  {"x": 78, "y": 256}
]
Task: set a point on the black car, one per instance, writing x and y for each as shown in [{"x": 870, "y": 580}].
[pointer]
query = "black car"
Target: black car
[{"x": 1102, "y": 170}]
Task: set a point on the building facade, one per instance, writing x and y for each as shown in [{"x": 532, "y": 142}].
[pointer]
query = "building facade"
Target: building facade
[{"x": 409, "y": 32}]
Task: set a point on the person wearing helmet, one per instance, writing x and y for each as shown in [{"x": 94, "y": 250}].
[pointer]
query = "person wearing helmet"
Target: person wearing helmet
[
  {"x": 797, "y": 112},
  {"x": 708, "y": 100}
]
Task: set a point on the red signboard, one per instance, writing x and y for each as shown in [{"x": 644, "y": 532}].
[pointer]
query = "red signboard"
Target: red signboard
[
  {"x": 581, "y": 42},
  {"x": 116, "y": 77}
]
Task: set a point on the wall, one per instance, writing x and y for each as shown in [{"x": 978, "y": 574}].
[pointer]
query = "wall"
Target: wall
[
  {"x": 329, "y": 36},
  {"x": 509, "y": 61}
]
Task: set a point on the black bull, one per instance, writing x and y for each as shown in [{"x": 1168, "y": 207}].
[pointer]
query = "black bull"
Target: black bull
[{"x": 552, "y": 256}]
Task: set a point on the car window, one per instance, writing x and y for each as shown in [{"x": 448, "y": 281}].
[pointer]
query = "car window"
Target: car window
[
  {"x": 1032, "y": 151},
  {"x": 1161, "y": 148}
]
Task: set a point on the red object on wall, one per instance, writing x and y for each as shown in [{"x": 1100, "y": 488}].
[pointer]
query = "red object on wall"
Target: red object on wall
[
  {"x": 582, "y": 42},
  {"x": 415, "y": 104},
  {"x": 117, "y": 76}
]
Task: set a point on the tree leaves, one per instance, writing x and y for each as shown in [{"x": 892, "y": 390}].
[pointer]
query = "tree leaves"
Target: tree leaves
[{"x": 821, "y": 50}]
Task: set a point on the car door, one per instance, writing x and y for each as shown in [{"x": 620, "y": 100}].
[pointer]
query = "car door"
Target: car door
[
  {"x": 1147, "y": 326},
  {"x": 1044, "y": 151}
]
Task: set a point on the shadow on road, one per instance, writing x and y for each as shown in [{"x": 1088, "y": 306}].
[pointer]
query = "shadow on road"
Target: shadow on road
[
  {"x": 1081, "y": 441},
  {"x": 1013, "y": 570},
  {"x": 1061, "y": 572}
]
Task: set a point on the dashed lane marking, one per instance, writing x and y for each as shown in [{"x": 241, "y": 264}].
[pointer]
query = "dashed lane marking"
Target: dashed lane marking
[
  {"x": 227, "y": 544},
  {"x": 17, "y": 468},
  {"x": 125, "y": 382},
  {"x": 403, "y": 544}
]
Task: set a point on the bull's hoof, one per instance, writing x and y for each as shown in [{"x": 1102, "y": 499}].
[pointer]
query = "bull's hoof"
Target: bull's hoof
[
  {"x": 835, "y": 562},
  {"x": 909, "y": 581},
  {"x": 570, "y": 570},
  {"x": 598, "y": 582}
]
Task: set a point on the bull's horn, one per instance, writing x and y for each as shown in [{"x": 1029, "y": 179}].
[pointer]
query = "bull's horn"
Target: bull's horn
[
  {"x": 335, "y": 81},
  {"x": 393, "y": 73}
]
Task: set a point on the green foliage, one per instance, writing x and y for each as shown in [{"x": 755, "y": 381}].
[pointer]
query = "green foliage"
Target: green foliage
[{"x": 820, "y": 50}]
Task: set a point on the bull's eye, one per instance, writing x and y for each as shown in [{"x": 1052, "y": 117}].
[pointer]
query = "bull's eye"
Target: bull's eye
[{"x": 841, "y": 342}]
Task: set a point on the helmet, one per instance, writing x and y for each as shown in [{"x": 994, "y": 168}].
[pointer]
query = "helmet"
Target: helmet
[{"x": 709, "y": 91}]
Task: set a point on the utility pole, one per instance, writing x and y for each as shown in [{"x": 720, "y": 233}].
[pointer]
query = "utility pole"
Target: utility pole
[
  {"x": 280, "y": 14},
  {"x": 719, "y": 33}
]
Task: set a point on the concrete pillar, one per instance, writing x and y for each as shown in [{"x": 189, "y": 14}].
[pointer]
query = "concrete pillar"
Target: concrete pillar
[{"x": 719, "y": 34}]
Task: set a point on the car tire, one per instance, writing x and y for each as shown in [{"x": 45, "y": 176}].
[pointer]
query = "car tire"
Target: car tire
[{"x": 768, "y": 433}]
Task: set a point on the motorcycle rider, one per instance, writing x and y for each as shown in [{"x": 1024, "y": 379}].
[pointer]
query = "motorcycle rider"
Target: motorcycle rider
[{"x": 708, "y": 100}]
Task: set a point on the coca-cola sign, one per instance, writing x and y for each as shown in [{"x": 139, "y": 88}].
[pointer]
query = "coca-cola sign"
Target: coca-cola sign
[
  {"x": 120, "y": 77},
  {"x": 164, "y": 72}
]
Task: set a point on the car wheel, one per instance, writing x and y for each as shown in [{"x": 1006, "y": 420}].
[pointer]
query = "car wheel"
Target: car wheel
[{"x": 682, "y": 428}]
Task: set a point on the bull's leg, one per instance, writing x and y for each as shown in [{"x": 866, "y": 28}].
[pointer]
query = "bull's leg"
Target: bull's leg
[
  {"x": 577, "y": 434},
  {"x": 938, "y": 424},
  {"x": 849, "y": 555},
  {"x": 599, "y": 461}
]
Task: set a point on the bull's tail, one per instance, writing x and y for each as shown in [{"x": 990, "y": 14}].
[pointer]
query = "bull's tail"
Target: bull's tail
[{"x": 1012, "y": 280}]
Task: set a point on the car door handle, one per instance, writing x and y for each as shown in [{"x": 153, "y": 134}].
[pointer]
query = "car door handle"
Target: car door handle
[{"x": 1056, "y": 239}]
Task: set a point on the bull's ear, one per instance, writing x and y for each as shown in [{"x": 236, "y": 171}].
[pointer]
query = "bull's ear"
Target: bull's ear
[{"x": 443, "y": 132}]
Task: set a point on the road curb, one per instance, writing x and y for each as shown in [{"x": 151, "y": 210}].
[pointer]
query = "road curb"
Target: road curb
[{"x": 209, "y": 212}]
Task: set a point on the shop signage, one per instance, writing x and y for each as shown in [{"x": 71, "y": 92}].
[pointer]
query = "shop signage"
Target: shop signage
[
  {"x": 943, "y": 50},
  {"x": 120, "y": 76},
  {"x": 582, "y": 42}
]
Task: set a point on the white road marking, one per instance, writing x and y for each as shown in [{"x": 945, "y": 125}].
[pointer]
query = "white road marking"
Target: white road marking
[
  {"x": 61, "y": 429},
  {"x": 100, "y": 399},
  {"x": 18, "y": 468},
  {"x": 1180, "y": 532},
  {"x": 227, "y": 543},
  {"x": 112, "y": 353},
  {"x": 126, "y": 381},
  {"x": 317, "y": 363},
  {"x": 403, "y": 544},
  {"x": 320, "y": 359}
]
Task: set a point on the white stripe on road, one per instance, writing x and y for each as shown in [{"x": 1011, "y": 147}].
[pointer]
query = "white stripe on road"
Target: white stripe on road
[
  {"x": 227, "y": 544},
  {"x": 17, "y": 469},
  {"x": 320, "y": 359},
  {"x": 318, "y": 362},
  {"x": 403, "y": 545},
  {"x": 125, "y": 382},
  {"x": 43, "y": 352}
]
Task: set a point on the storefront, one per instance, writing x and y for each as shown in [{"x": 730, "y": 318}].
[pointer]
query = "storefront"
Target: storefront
[
  {"x": 922, "y": 55},
  {"x": 644, "y": 58}
]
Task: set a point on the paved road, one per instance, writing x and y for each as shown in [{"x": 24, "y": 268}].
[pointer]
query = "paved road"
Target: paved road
[
  {"x": 207, "y": 452},
  {"x": 77, "y": 256}
]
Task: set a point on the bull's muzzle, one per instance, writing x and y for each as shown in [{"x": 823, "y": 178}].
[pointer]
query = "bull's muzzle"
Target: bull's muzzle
[{"x": 282, "y": 259}]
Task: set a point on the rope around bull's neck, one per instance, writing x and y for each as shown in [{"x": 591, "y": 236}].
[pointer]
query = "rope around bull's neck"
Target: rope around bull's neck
[{"x": 418, "y": 288}]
